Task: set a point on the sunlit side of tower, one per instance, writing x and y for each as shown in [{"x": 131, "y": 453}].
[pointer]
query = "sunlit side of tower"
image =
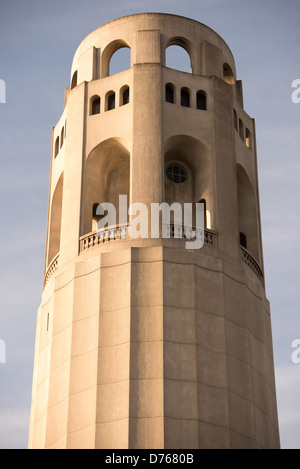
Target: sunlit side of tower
[{"x": 142, "y": 343}]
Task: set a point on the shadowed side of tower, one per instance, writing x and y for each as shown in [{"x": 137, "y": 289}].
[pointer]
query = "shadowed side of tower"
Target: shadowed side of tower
[{"x": 142, "y": 343}]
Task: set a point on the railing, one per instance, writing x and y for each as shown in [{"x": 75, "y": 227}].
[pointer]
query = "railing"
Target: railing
[
  {"x": 100, "y": 237},
  {"x": 51, "y": 268},
  {"x": 120, "y": 232},
  {"x": 179, "y": 231},
  {"x": 251, "y": 262},
  {"x": 210, "y": 237},
  {"x": 175, "y": 231}
]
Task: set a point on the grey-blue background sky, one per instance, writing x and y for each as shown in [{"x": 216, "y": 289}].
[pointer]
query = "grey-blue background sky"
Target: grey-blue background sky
[{"x": 38, "y": 39}]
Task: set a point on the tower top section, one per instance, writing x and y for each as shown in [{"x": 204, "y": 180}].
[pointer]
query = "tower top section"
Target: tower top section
[{"x": 148, "y": 35}]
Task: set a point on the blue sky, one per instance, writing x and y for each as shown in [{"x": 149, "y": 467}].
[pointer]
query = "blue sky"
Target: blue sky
[{"x": 37, "y": 42}]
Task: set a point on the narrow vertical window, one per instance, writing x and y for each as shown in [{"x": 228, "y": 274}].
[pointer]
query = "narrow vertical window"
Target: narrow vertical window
[
  {"x": 56, "y": 149},
  {"x": 241, "y": 129},
  {"x": 95, "y": 217},
  {"x": 235, "y": 120},
  {"x": 201, "y": 100},
  {"x": 111, "y": 102},
  {"x": 95, "y": 107},
  {"x": 125, "y": 96},
  {"x": 248, "y": 139},
  {"x": 169, "y": 93},
  {"x": 62, "y": 137},
  {"x": 243, "y": 240},
  {"x": 203, "y": 201},
  {"x": 74, "y": 80},
  {"x": 185, "y": 97}
]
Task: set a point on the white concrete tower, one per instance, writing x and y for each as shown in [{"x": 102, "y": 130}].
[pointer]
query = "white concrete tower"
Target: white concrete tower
[{"x": 142, "y": 343}]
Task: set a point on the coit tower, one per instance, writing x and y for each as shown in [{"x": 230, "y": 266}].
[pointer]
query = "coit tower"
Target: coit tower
[{"x": 142, "y": 342}]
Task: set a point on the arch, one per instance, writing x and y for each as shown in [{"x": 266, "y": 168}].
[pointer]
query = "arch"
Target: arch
[
  {"x": 178, "y": 54},
  {"x": 247, "y": 212},
  {"x": 194, "y": 157},
  {"x": 56, "y": 147},
  {"x": 228, "y": 75},
  {"x": 124, "y": 95},
  {"x": 107, "y": 175},
  {"x": 201, "y": 100},
  {"x": 62, "y": 137},
  {"x": 55, "y": 220},
  {"x": 95, "y": 102},
  {"x": 248, "y": 139},
  {"x": 123, "y": 58},
  {"x": 74, "y": 80},
  {"x": 185, "y": 97},
  {"x": 120, "y": 60}
]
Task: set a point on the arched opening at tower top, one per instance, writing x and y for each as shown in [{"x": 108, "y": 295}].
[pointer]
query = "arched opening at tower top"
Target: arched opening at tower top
[
  {"x": 116, "y": 58},
  {"x": 228, "y": 75},
  {"x": 120, "y": 60},
  {"x": 178, "y": 56}
]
